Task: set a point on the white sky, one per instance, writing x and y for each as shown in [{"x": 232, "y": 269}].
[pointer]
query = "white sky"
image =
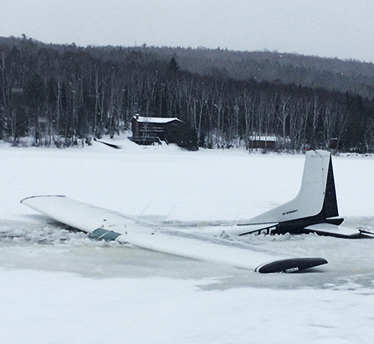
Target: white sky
[{"x": 327, "y": 28}]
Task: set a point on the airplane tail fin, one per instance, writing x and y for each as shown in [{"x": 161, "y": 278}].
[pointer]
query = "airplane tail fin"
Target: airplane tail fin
[
  {"x": 315, "y": 202},
  {"x": 317, "y": 195}
]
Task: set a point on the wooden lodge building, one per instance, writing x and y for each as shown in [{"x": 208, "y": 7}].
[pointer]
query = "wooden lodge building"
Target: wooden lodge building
[{"x": 149, "y": 130}]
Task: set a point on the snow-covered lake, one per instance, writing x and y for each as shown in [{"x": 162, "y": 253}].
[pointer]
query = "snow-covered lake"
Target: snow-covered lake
[{"x": 59, "y": 286}]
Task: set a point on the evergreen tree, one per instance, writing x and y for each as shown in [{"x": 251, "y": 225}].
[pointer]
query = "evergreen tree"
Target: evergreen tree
[
  {"x": 187, "y": 138},
  {"x": 173, "y": 67}
]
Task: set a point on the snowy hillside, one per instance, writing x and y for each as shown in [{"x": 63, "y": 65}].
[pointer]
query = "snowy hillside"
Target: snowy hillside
[{"x": 61, "y": 287}]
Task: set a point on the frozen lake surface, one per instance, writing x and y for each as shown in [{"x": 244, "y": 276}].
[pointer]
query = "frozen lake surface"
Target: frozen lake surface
[{"x": 59, "y": 286}]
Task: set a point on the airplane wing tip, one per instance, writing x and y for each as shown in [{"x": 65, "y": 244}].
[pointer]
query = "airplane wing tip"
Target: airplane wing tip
[
  {"x": 38, "y": 196},
  {"x": 290, "y": 265}
]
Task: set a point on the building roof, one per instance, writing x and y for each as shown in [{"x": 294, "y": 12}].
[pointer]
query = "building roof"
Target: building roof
[
  {"x": 159, "y": 120},
  {"x": 263, "y": 138},
  {"x": 268, "y": 138}
]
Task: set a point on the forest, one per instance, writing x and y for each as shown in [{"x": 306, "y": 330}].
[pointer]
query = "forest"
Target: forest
[{"x": 58, "y": 94}]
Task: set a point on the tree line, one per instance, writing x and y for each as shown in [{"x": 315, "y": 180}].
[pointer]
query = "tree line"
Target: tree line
[{"x": 58, "y": 94}]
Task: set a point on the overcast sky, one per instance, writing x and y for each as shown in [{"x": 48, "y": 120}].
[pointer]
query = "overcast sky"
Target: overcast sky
[{"x": 327, "y": 28}]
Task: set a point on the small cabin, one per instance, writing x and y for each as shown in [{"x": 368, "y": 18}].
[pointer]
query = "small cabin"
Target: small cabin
[
  {"x": 262, "y": 142},
  {"x": 149, "y": 130},
  {"x": 267, "y": 142}
]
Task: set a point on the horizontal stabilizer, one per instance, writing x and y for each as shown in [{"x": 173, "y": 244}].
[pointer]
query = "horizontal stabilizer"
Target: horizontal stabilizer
[
  {"x": 333, "y": 230},
  {"x": 366, "y": 233}
]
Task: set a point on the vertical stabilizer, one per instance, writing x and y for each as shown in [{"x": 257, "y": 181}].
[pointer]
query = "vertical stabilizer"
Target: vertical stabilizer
[{"x": 316, "y": 198}]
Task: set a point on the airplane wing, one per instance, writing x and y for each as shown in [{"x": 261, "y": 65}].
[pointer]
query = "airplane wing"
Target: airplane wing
[{"x": 109, "y": 225}]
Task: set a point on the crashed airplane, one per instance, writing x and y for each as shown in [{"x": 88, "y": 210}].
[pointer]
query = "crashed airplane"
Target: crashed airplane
[{"x": 313, "y": 210}]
